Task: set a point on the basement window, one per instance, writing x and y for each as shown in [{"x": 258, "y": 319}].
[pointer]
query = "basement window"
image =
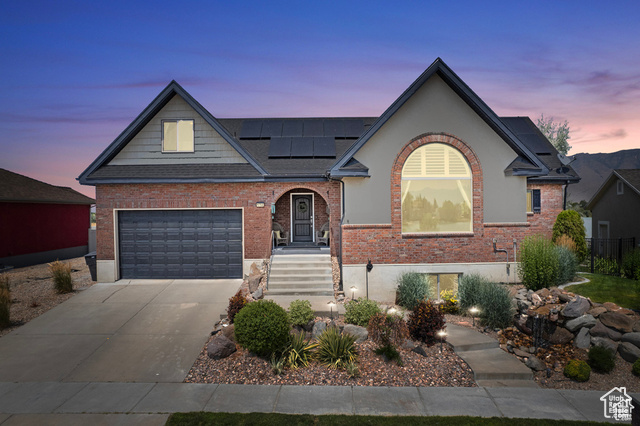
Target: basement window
[
  {"x": 439, "y": 283},
  {"x": 178, "y": 136}
]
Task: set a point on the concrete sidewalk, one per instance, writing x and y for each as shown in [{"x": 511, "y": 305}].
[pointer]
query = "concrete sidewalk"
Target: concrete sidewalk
[{"x": 151, "y": 403}]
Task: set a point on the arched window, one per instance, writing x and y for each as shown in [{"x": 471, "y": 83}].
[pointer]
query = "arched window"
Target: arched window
[{"x": 436, "y": 191}]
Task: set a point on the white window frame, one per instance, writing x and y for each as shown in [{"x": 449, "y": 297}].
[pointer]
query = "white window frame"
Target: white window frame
[{"x": 177, "y": 120}]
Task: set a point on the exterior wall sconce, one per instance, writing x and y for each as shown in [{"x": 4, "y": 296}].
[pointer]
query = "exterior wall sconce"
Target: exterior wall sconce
[{"x": 369, "y": 268}]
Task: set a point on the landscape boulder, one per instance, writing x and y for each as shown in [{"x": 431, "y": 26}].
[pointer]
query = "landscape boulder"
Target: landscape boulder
[
  {"x": 220, "y": 347},
  {"x": 628, "y": 351},
  {"x": 600, "y": 330},
  {"x": 560, "y": 336},
  {"x": 229, "y": 332},
  {"x": 617, "y": 321},
  {"x": 636, "y": 326},
  {"x": 535, "y": 363},
  {"x": 576, "y": 308},
  {"x": 580, "y": 322},
  {"x": 596, "y": 311},
  {"x": 257, "y": 294},
  {"x": 605, "y": 343},
  {"x": 582, "y": 339},
  {"x": 360, "y": 333},
  {"x": 632, "y": 338},
  {"x": 318, "y": 328},
  {"x": 419, "y": 350}
]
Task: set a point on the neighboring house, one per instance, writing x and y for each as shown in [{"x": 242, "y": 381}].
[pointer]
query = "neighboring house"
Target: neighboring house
[
  {"x": 41, "y": 222},
  {"x": 615, "y": 206},
  {"x": 427, "y": 186}
]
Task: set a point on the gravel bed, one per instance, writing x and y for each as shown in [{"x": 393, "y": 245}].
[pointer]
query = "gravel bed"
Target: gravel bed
[
  {"x": 33, "y": 293},
  {"x": 436, "y": 369}
]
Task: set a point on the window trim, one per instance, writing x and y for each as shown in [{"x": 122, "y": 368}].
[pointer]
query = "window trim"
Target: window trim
[
  {"x": 536, "y": 202},
  {"x": 176, "y": 120},
  {"x": 437, "y": 275}
]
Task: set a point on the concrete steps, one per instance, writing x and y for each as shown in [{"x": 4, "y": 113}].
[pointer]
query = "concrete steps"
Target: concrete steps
[{"x": 305, "y": 275}]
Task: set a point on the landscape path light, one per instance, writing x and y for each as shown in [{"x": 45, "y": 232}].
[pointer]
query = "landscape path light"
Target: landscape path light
[
  {"x": 474, "y": 311},
  {"x": 442, "y": 334},
  {"x": 331, "y": 303}
]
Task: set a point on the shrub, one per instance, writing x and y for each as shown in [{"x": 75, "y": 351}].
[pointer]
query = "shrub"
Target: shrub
[
  {"x": 469, "y": 288},
  {"x": 236, "y": 303},
  {"x": 601, "y": 359},
  {"x": 449, "y": 302},
  {"x": 5, "y": 301},
  {"x": 277, "y": 364},
  {"x": 635, "y": 369},
  {"x": 300, "y": 312},
  {"x": 61, "y": 276},
  {"x": 577, "y": 370},
  {"x": 606, "y": 266},
  {"x": 360, "y": 311},
  {"x": 336, "y": 350},
  {"x": 390, "y": 353},
  {"x": 352, "y": 369},
  {"x": 262, "y": 327},
  {"x": 412, "y": 288},
  {"x": 496, "y": 307},
  {"x": 425, "y": 321},
  {"x": 631, "y": 264},
  {"x": 299, "y": 351},
  {"x": 565, "y": 241},
  {"x": 570, "y": 223},
  {"x": 567, "y": 265},
  {"x": 385, "y": 328},
  {"x": 538, "y": 263}
]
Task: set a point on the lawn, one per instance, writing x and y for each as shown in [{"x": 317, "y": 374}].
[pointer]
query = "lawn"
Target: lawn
[
  {"x": 606, "y": 288},
  {"x": 202, "y": 419}
]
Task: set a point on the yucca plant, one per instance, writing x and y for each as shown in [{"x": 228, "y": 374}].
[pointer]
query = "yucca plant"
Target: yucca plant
[
  {"x": 5, "y": 301},
  {"x": 61, "y": 276},
  {"x": 277, "y": 364},
  {"x": 299, "y": 351},
  {"x": 336, "y": 350}
]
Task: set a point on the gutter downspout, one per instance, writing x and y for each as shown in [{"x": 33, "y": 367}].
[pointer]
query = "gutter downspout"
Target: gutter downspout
[{"x": 340, "y": 285}]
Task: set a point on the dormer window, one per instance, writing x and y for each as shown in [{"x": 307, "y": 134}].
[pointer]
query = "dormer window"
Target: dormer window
[{"x": 177, "y": 136}]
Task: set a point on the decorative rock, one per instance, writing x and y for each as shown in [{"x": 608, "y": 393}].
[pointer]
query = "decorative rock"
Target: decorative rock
[
  {"x": 629, "y": 352},
  {"x": 555, "y": 291},
  {"x": 560, "y": 336},
  {"x": 536, "y": 300},
  {"x": 597, "y": 311},
  {"x": 580, "y": 322},
  {"x": 564, "y": 298},
  {"x": 408, "y": 344},
  {"x": 582, "y": 339},
  {"x": 523, "y": 305},
  {"x": 605, "y": 343},
  {"x": 254, "y": 269},
  {"x": 617, "y": 321},
  {"x": 576, "y": 308},
  {"x": 257, "y": 294},
  {"x": 535, "y": 363},
  {"x": 625, "y": 311},
  {"x": 318, "y": 328},
  {"x": 521, "y": 324},
  {"x": 521, "y": 353},
  {"x": 636, "y": 326},
  {"x": 360, "y": 333},
  {"x": 543, "y": 293},
  {"x": 611, "y": 307},
  {"x": 309, "y": 327},
  {"x": 633, "y": 338},
  {"x": 601, "y": 330},
  {"x": 220, "y": 347},
  {"x": 229, "y": 332},
  {"x": 419, "y": 351}
]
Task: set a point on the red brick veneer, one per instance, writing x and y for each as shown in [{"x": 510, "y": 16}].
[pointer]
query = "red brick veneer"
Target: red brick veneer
[
  {"x": 385, "y": 243},
  {"x": 257, "y": 221}
]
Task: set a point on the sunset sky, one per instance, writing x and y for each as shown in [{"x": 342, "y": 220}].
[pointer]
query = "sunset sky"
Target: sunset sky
[{"x": 75, "y": 74}]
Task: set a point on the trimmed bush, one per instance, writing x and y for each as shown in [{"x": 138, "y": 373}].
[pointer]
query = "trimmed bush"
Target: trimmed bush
[
  {"x": 570, "y": 223},
  {"x": 425, "y": 321},
  {"x": 469, "y": 289},
  {"x": 385, "y": 329},
  {"x": 567, "y": 265},
  {"x": 601, "y": 359},
  {"x": 635, "y": 369},
  {"x": 538, "y": 263},
  {"x": 496, "y": 307},
  {"x": 412, "y": 288},
  {"x": 577, "y": 370},
  {"x": 262, "y": 327},
  {"x": 300, "y": 312},
  {"x": 631, "y": 264},
  {"x": 236, "y": 303},
  {"x": 336, "y": 350},
  {"x": 61, "y": 273},
  {"x": 360, "y": 311},
  {"x": 5, "y": 301}
]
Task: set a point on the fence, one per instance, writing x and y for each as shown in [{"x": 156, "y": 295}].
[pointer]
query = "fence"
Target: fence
[{"x": 606, "y": 254}]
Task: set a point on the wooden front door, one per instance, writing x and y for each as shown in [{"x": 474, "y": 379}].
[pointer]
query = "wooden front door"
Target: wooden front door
[{"x": 302, "y": 218}]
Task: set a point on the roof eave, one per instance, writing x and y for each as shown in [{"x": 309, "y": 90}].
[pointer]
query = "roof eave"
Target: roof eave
[{"x": 99, "y": 181}]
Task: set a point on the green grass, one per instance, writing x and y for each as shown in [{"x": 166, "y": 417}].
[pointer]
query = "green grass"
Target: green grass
[
  {"x": 201, "y": 419},
  {"x": 607, "y": 288}
]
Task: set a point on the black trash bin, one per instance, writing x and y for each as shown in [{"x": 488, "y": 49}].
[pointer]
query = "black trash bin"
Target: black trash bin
[{"x": 90, "y": 259}]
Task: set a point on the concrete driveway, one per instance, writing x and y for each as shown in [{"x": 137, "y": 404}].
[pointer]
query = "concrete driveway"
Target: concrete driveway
[{"x": 130, "y": 331}]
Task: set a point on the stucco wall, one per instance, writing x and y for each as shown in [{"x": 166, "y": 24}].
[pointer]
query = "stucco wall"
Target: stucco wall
[{"x": 434, "y": 108}]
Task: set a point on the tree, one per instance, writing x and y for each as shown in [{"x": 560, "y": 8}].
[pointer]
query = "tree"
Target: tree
[
  {"x": 557, "y": 133},
  {"x": 570, "y": 223}
]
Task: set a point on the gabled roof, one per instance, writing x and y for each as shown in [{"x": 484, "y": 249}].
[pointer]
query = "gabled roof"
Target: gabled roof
[
  {"x": 631, "y": 177},
  {"x": 146, "y": 115},
  {"x": 538, "y": 168},
  {"x": 18, "y": 188}
]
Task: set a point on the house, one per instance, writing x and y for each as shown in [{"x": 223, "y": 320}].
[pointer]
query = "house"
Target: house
[
  {"x": 615, "y": 206},
  {"x": 427, "y": 186},
  {"x": 41, "y": 222}
]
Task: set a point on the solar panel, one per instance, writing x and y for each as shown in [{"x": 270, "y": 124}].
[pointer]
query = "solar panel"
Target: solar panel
[
  {"x": 251, "y": 129},
  {"x": 334, "y": 128},
  {"x": 302, "y": 147},
  {"x": 353, "y": 128},
  {"x": 271, "y": 129},
  {"x": 313, "y": 128},
  {"x": 280, "y": 147},
  {"x": 292, "y": 128},
  {"x": 324, "y": 146}
]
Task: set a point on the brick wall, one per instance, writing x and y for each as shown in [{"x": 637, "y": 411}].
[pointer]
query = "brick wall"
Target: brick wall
[
  {"x": 385, "y": 243},
  {"x": 257, "y": 221},
  {"x": 283, "y": 212}
]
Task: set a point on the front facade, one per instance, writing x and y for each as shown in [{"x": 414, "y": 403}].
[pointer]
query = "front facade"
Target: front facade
[{"x": 428, "y": 186}]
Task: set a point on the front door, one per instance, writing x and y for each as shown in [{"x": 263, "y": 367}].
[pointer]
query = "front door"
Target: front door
[{"x": 302, "y": 218}]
